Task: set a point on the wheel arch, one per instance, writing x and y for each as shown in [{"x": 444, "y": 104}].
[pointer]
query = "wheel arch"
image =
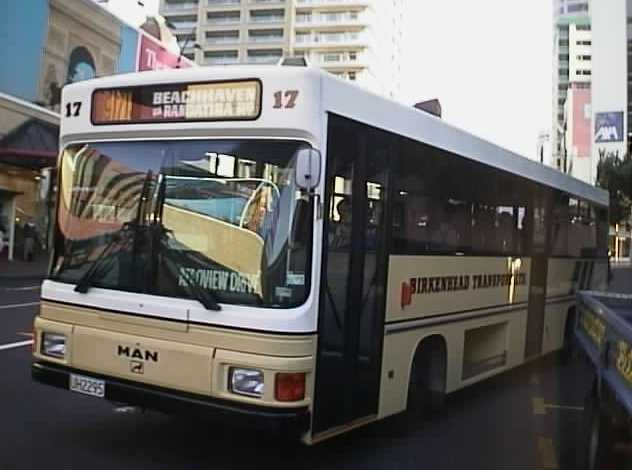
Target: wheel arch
[{"x": 432, "y": 346}]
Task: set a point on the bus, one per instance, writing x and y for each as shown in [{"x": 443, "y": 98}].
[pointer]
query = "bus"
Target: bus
[{"x": 274, "y": 246}]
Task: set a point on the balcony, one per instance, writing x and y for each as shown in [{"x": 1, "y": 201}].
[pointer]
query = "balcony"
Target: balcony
[
  {"x": 222, "y": 37},
  {"x": 330, "y": 19},
  {"x": 265, "y": 35},
  {"x": 221, "y": 57},
  {"x": 267, "y": 16},
  {"x": 332, "y": 3},
  {"x": 221, "y": 61},
  {"x": 175, "y": 8},
  {"x": 347, "y": 60},
  {"x": 187, "y": 38},
  {"x": 221, "y": 3},
  {"x": 262, "y": 59},
  {"x": 264, "y": 56},
  {"x": 180, "y": 28},
  {"x": 331, "y": 39},
  {"x": 223, "y": 18}
]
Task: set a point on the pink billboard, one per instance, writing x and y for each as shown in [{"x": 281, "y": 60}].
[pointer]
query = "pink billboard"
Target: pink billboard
[
  {"x": 581, "y": 140},
  {"x": 154, "y": 56}
]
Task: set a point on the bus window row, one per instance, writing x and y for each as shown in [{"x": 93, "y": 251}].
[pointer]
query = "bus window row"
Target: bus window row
[{"x": 441, "y": 203}]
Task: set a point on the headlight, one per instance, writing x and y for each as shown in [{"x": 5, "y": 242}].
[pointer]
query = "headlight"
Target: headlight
[
  {"x": 246, "y": 381},
  {"x": 54, "y": 345}
]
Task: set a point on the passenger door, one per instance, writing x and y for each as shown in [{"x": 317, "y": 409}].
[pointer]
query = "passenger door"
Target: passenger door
[
  {"x": 351, "y": 320},
  {"x": 539, "y": 221}
]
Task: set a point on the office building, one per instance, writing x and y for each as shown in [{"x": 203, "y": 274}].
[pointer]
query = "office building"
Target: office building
[
  {"x": 357, "y": 40},
  {"x": 572, "y": 63}
]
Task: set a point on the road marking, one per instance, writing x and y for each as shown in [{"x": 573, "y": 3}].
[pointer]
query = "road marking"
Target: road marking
[
  {"x": 538, "y": 406},
  {"x": 27, "y": 304},
  {"x": 547, "y": 453},
  {"x": 24, "y": 333},
  {"x": 19, "y": 344},
  {"x": 24, "y": 288},
  {"x": 565, "y": 407},
  {"x": 126, "y": 409}
]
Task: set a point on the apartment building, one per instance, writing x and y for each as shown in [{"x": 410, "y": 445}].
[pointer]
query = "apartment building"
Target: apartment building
[
  {"x": 572, "y": 59},
  {"x": 357, "y": 40}
]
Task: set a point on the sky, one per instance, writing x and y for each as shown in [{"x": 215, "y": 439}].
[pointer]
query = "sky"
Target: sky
[{"x": 489, "y": 62}]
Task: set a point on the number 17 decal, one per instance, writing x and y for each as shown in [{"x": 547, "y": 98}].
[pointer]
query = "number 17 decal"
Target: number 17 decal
[{"x": 285, "y": 99}]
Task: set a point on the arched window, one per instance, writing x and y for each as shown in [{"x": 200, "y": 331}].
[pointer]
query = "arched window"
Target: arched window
[{"x": 80, "y": 66}]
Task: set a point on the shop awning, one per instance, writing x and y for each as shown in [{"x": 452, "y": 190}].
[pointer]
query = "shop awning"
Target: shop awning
[{"x": 33, "y": 144}]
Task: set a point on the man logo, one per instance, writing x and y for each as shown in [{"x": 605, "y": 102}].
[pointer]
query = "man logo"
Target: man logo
[
  {"x": 137, "y": 353},
  {"x": 407, "y": 295},
  {"x": 137, "y": 367}
]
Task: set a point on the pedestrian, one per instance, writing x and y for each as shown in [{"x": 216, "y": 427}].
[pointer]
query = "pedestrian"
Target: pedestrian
[
  {"x": 2, "y": 232},
  {"x": 29, "y": 241}
]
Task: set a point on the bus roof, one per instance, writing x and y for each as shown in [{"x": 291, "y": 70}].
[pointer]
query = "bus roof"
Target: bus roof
[{"x": 351, "y": 101}]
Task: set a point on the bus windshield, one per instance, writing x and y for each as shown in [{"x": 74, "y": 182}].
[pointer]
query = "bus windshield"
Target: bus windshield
[{"x": 181, "y": 218}]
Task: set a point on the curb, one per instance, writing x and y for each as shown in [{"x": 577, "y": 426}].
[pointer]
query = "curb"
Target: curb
[
  {"x": 12, "y": 281},
  {"x": 22, "y": 277}
]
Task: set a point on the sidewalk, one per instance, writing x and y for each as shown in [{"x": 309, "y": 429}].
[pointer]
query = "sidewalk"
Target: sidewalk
[{"x": 18, "y": 270}]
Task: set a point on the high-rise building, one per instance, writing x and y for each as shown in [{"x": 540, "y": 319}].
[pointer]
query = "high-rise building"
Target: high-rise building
[
  {"x": 358, "y": 40},
  {"x": 611, "y": 78},
  {"x": 612, "y": 95},
  {"x": 572, "y": 59}
]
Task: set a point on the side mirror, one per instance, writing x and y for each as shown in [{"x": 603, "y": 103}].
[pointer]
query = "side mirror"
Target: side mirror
[{"x": 308, "y": 169}]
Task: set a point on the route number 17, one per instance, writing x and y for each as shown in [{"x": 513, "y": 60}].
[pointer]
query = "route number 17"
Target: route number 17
[
  {"x": 73, "y": 109},
  {"x": 285, "y": 99}
]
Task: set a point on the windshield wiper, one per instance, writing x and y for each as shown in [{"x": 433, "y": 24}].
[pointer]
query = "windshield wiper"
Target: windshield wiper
[
  {"x": 128, "y": 228},
  {"x": 123, "y": 236},
  {"x": 204, "y": 296},
  {"x": 162, "y": 234}
]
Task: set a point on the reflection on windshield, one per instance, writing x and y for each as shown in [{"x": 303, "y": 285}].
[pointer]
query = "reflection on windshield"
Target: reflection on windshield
[{"x": 206, "y": 215}]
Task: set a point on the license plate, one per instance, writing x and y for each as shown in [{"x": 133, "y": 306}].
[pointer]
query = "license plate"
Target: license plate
[{"x": 87, "y": 385}]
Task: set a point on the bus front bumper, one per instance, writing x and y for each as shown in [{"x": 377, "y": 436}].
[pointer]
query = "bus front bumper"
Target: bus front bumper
[{"x": 292, "y": 422}]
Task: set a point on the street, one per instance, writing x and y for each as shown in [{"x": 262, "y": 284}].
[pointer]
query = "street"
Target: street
[{"x": 529, "y": 418}]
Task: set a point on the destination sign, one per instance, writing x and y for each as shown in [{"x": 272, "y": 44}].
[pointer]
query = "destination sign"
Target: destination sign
[{"x": 178, "y": 102}]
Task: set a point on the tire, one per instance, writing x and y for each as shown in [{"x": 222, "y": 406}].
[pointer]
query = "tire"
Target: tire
[
  {"x": 422, "y": 402},
  {"x": 570, "y": 349},
  {"x": 598, "y": 434}
]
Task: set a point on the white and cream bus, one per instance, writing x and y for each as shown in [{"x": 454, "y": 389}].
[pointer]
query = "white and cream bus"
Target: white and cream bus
[{"x": 274, "y": 245}]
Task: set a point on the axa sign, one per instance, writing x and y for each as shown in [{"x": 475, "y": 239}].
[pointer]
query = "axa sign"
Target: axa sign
[{"x": 609, "y": 127}]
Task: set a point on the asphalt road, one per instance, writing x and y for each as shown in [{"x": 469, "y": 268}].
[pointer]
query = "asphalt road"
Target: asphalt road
[{"x": 529, "y": 418}]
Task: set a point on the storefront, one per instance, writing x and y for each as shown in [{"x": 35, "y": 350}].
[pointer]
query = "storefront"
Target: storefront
[
  {"x": 619, "y": 242},
  {"x": 62, "y": 42},
  {"x": 7, "y": 224},
  {"x": 28, "y": 151}
]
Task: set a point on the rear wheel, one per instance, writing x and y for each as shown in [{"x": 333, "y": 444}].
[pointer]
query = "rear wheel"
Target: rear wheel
[
  {"x": 426, "y": 386},
  {"x": 570, "y": 349},
  {"x": 598, "y": 434}
]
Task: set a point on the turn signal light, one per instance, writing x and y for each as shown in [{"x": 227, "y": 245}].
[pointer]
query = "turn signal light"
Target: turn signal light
[{"x": 289, "y": 386}]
